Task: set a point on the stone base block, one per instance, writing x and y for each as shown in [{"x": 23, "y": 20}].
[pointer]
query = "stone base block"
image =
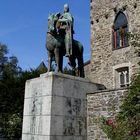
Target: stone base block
[{"x": 55, "y": 107}]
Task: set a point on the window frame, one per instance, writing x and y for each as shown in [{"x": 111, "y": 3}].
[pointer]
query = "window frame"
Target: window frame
[
  {"x": 124, "y": 81},
  {"x": 123, "y": 40}
]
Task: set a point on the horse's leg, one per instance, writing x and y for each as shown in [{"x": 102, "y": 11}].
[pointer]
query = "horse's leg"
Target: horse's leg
[
  {"x": 61, "y": 62},
  {"x": 57, "y": 58},
  {"x": 73, "y": 64},
  {"x": 81, "y": 66},
  {"x": 80, "y": 61},
  {"x": 73, "y": 71},
  {"x": 49, "y": 60}
]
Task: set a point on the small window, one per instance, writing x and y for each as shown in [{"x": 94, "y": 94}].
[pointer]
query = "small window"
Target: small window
[
  {"x": 120, "y": 30},
  {"x": 122, "y": 77}
]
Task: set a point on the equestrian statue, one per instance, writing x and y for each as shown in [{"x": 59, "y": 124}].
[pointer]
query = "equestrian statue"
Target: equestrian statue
[{"x": 60, "y": 42}]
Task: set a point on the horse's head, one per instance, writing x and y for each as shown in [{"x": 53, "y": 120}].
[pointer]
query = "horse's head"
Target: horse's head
[{"x": 52, "y": 20}]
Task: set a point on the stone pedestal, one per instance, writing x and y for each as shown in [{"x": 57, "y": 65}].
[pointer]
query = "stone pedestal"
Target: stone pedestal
[{"x": 55, "y": 107}]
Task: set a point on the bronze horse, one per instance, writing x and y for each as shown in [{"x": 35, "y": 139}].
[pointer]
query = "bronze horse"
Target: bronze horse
[
  {"x": 56, "y": 48},
  {"x": 54, "y": 44}
]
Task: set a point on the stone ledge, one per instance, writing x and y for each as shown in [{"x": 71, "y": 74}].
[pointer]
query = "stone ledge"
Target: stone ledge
[
  {"x": 48, "y": 74},
  {"x": 108, "y": 90},
  {"x": 40, "y": 96},
  {"x": 54, "y": 135}
]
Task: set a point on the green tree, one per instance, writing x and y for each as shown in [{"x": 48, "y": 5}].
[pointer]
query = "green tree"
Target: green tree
[
  {"x": 3, "y": 58},
  {"x": 10, "y": 99},
  {"x": 12, "y": 87},
  {"x": 126, "y": 125}
]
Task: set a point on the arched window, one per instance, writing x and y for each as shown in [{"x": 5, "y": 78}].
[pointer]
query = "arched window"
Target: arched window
[{"x": 120, "y": 29}]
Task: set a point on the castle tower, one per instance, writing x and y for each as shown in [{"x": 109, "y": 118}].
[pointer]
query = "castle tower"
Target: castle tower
[{"x": 113, "y": 58}]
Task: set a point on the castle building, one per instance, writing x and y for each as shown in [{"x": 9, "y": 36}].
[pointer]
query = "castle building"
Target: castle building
[{"x": 113, "y": 58}]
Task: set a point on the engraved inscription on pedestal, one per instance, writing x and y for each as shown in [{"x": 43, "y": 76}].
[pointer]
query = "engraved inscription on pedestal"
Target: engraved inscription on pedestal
[{"x": 55, "y": 107}]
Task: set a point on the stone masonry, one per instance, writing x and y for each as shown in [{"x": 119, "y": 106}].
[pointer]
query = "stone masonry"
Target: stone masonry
[
  {"x": 103, "y": 58},
  {"x": 55, "y": 107},
  {"x": 87, "y": 68},
  {"x": 102, "y": 103}
]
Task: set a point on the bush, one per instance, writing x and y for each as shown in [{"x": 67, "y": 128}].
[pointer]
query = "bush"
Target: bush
[
  {"x": 11, "y": 126},
  {"x": 126, "y": 125}
]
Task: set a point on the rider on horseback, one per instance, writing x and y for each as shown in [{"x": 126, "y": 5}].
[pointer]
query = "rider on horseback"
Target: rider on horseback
[
  {"x": 60, "y": 41},
  {"x": 66, "y": 22}
]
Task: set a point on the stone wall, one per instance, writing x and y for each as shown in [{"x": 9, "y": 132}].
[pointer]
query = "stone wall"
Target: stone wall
[
  {"x": 103, "y": 58},
  {"x": 105, "y": 103},
  {"x": 87, "y": 69}
]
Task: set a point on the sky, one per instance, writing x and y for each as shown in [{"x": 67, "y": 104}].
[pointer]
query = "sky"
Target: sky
[{"x": 23, "y": 27}]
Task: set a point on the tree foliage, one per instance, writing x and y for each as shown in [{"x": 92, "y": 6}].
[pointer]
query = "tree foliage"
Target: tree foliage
[
  {"x": 12, "y": 86},
  {"x": 126, "y": 125}
]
